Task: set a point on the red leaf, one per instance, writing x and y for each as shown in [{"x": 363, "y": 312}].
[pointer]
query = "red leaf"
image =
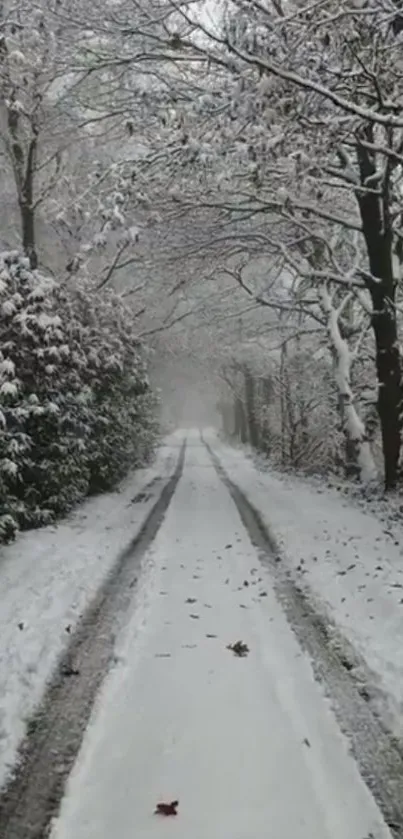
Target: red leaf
[{"x": 167, "y": 809}]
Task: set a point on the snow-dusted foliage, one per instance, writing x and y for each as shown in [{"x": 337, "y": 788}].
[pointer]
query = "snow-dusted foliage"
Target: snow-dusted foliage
[
  {"x": 76, "y": 407},
  {"x": 293, "y": 143},
  {"x": 247, "y": 161}
]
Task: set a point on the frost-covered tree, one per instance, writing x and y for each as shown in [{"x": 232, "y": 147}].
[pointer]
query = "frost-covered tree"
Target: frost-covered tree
[
  {"x": 300, "y": 107},
  {"x": 36, "y": 113},
  {"x": 56, "y": 149}
]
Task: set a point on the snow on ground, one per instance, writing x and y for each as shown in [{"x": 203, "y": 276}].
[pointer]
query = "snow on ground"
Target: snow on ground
[
  {"x": 47, "y": 579},
  {"x": 351, "y": 564},
  {"x": 249, "y": 746}
]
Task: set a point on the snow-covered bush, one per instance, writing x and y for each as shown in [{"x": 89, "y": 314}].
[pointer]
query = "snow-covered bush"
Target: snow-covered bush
[{"x": 76, "y": 409}]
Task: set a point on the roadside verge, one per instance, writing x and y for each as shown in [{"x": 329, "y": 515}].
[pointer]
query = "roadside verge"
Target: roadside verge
[{"x": 48, "y": 579}]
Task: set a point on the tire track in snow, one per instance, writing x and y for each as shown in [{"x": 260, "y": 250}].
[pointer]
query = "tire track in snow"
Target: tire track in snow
[
  {"x": 378, "y": 755},
  {"x": 31, "y": 798}
]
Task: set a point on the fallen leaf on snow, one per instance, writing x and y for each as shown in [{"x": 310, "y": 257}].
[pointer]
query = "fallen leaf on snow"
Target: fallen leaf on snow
[
  {"x": 165, "y": 809},
  {"x": 363, "y": 691},
  {"x": 239, "y": 648},
  {"x": 70, "y": 671}
]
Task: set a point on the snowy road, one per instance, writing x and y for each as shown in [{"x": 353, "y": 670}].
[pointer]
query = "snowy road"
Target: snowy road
[
  {"x": 249, "y": 746},
  {"x": 48, "y": 579}
]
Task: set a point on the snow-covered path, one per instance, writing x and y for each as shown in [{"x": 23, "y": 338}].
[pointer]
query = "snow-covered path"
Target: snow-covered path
[
  {"x": 249, "y": 746},
  {"x": 48, "y": 579}
]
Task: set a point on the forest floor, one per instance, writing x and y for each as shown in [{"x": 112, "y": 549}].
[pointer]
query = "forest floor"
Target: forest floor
[{"x": 148, "y": 698}]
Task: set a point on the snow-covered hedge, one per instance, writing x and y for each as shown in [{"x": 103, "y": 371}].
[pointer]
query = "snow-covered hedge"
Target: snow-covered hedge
[{"x": 76, "y": 409}]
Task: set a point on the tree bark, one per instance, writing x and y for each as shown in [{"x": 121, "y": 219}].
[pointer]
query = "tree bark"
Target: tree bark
[
  {"x": 359, "y": 459},
  {"x": 388, "y": 365},
  {"x": 26, "y": 206},
  {"x": 24, "y": 167},
  {"x": 283, "y": 428},
  {"x": 377, "y": 228},
  {"x": 240, "y": 420},
  {"x": 250, "y": 402},
  {"x": 267, "y": 392},
  {"x": 28, "y": 232}
]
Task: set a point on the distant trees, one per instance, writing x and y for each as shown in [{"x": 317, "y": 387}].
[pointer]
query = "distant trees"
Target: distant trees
[{"x": 288, "y": 413}]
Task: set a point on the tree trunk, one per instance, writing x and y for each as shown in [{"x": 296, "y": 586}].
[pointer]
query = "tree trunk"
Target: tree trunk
[
  {"x": 388, "y": 366},
  {"x": 378, "y": 233},
  {"x": 26, "y": 202},
  {"x": 24, "y": 166},
  {"x": 28, "y": 232},
  {"x": 251, "y": 408},
  {"x": 291, "y": 421},
  {"x": 267, "y": 392},
  {"x": 359, "y": 457},
  {"x": 283, "y": 429},
  {"x": 240, "y": 420}
]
